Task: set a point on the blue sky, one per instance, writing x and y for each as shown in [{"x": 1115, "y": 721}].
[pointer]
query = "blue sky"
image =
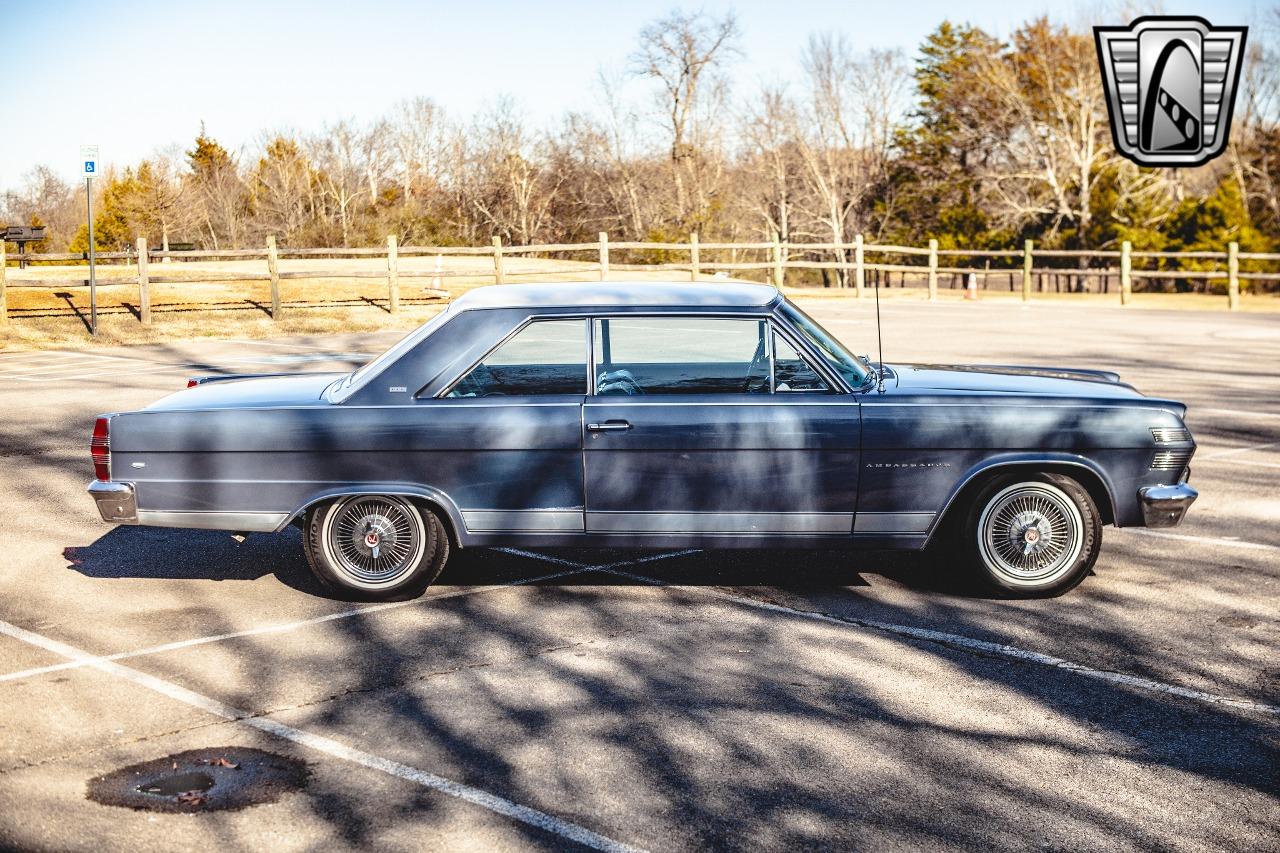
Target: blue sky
[{"x": 134, "y": 76}]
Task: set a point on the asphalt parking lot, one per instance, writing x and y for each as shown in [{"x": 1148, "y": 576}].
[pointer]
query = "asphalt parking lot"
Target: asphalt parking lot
[{"x": 662, "y": 701}]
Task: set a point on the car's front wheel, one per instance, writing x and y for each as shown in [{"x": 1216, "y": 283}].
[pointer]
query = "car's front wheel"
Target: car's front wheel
[
  {"x": 375, "y": 546},
  {"x": 1032, "y": 535}
]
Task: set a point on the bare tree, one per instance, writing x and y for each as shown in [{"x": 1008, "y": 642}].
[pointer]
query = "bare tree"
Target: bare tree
[
  {"x": 340, "y": 171},
  {"x": 682, "y": 51},
  {"x": 281, "y": 188},
  {"x": 770, "y": 131},
  {"x": 844, "y": 147},
  {"x": 1050, "y": 92},
  {"x": 1255, "y": 145},
  {"x": 509, "y": 187},
  {"x": 376, "y": 153},
  {"x": 217, "y": 193},
  {"x": 47, "y": 200},
  {"x": 418, "y": 136}
]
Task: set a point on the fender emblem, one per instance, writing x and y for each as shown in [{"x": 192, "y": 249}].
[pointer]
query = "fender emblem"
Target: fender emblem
[{"x": 907, "y": 465}]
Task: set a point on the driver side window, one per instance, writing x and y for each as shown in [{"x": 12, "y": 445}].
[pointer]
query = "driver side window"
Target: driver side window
[{"x": 681, "y": 355}]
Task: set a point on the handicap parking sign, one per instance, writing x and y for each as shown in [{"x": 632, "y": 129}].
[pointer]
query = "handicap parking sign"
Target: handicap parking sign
[{"x": 89, "y": 157}]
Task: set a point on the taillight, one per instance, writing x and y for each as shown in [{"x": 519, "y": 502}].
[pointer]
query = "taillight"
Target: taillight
[
  {"x": 193, "y": 382},
  {"x": 100, "y": 449}
]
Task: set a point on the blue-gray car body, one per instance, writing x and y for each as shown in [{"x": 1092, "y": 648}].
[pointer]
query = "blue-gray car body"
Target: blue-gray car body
[{"x": 876, "y": 460}]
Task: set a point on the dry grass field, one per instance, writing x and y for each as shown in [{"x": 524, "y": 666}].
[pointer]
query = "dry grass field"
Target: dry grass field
[{"x": 43, "y": 317}]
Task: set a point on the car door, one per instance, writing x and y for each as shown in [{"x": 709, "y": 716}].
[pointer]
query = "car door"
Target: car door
[
  {"x": 513, "y": 425},
  {"x": 689, "y": 430}
]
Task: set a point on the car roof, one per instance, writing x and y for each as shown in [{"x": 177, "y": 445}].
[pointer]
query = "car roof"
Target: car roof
[{"x": 656, "y": 294}]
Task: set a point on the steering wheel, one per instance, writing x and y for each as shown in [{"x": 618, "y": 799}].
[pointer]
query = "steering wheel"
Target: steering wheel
[
  {"x": 758, "y": 372},
  {"x": 618, "y": 382}
]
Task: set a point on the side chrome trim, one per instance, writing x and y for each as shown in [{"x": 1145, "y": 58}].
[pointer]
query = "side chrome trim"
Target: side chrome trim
[
  {"x": 523, "y": 520},
  {"x": 893, "y": 522},
  {"x": 116, "y": 501},
  {"x": 248, "y": 522},
  {"x": 720, "y": 522}
]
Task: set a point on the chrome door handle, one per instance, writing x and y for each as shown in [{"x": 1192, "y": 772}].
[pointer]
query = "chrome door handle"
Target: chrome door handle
[{"x": 609, "y": 426}]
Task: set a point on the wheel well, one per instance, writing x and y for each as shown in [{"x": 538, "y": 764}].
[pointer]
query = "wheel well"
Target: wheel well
[
  {"x": 441, "y": 513},
  {"x": 1087, "y": 478},
  {"x": 423, "y": 503}
]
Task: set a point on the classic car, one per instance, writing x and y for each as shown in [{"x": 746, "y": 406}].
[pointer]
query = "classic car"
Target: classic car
[{"x": 651, "y": 415}]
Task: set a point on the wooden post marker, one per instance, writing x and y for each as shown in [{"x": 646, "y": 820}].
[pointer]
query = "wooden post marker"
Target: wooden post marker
[
  {"x": 144, "y": 284},
  {"x": 1233, "y": 276},
  {"x": 694, "y": 261},
  {"x": 1026, "y": 271},
  {"x": 4, "y": 306},
  {"x": 497, "y": 261},
  {"x": 273, "y": 270},
  {"x": 1126, "y": 272},
  {"x": 393, "y": 274},
  {"x": 777, "y": 261},
  {"x": 933, "y": 270},
  {"x": 859, "y": 267},
  {"x": 604, "y": 256}
]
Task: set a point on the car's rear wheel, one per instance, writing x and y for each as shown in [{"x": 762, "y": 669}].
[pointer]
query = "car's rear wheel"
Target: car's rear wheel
[
  {"x": 1032, "y": 535},
  {"x": 375, "y": 546}
]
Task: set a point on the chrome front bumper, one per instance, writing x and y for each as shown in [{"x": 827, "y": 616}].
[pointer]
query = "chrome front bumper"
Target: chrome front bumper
[
  {"x": 1164, "y": 506},
  {"x": 116, "y": 502}
]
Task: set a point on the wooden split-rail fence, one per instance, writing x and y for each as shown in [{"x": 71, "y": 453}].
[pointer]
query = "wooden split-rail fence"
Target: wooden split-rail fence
[{"x": 1018, "y": 267}]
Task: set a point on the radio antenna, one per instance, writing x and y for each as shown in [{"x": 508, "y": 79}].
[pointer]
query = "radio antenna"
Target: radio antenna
[{"x": 879, "y": 342}]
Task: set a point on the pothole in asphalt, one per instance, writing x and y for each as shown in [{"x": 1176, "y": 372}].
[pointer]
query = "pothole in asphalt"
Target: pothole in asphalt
[{"x": 201, "y": 780}]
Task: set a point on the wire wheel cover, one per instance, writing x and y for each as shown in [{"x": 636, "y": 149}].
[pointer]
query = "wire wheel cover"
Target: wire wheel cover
[
  {"x": 1030, "y": 533},
  {"x": 374, "y": 540}
]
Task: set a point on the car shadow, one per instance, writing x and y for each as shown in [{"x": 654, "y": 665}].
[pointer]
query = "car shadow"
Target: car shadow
[{"x": 165, "y": 554}]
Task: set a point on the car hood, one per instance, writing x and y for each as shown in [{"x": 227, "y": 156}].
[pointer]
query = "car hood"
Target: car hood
[
  {"x": 1010, "y": 379},
  {"x": 236, "y": 392}
]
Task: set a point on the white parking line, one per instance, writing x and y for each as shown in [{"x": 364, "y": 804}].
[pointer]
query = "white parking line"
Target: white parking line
[
  {"x": 573, "y": 567},
  {"x": 972, "y": 644},
  {"x": 484, "y": 799},
  {"x": 1236, "y": 413},
  {"x": 278, "y": 628},
  {"x": 1233, "y": 451},
  {"x": 1207, "y": 540}
]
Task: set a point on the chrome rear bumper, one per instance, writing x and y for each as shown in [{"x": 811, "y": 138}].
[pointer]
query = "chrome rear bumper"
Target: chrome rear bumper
[
  {"x": 116, "y": 502},
  {"x": 1164, "y": 506}
]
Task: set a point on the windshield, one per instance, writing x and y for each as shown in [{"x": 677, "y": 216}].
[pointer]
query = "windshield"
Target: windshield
[
  {"x": 357, "y": 377},
  {"x": 833, "y": 352}
]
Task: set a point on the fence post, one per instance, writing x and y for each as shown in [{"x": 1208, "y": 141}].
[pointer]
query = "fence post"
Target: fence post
[
  {"x": 933, "y": 270},
  {"x": 4, "y": 306},
  {"x": 604, "y": 255},
  {"x": 1026, "y": 270},
  {"x": 144, "y": 284},
  {"x": 777, "y": 260},
  {"x": 859, "y": 268},
  {"x": 1126, "y": 272},
  {"x": 273, "y": 270},
  {"x": 497, "y": 260},
  {"x": 694, "y": 260},
  {"x": 1233, "y": 276},
  {"x": 393, "y": 274}
]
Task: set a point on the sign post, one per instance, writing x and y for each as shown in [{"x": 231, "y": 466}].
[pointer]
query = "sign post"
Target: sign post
[{"x": 89, "y": 165}]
